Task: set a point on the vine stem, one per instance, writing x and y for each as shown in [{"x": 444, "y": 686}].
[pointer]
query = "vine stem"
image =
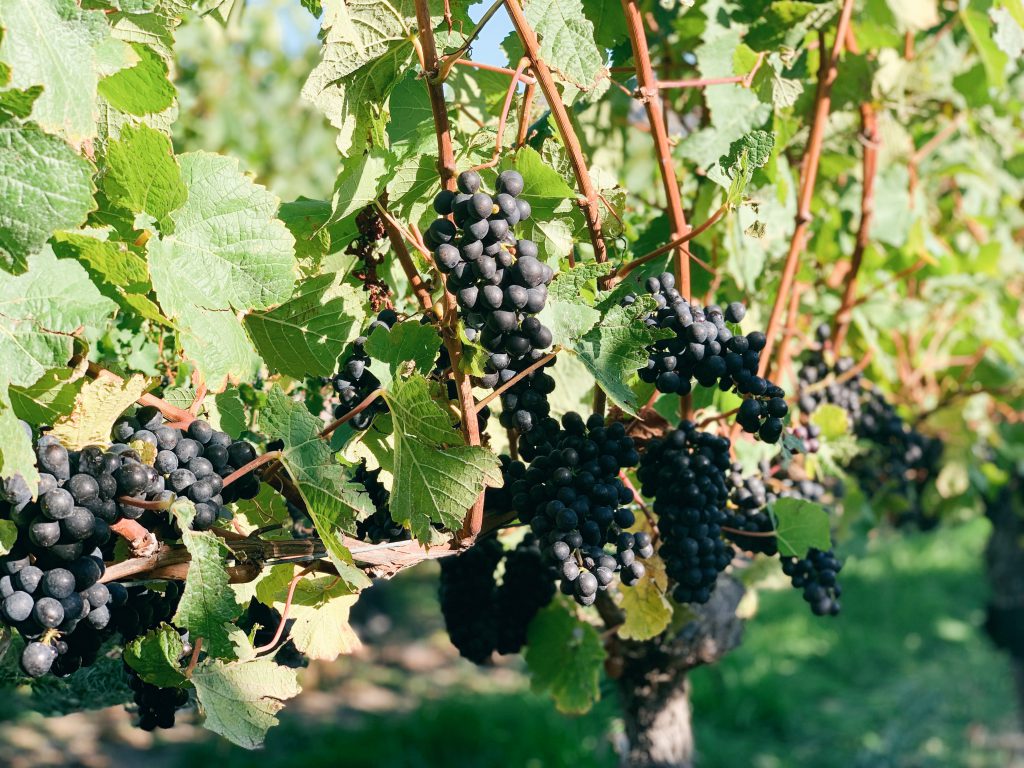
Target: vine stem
[
  {"x": 197, "y": 646},
  {"x": 142, "y": 504},
  {"x": 525, "y": 108},
  {"x": 752, "y": 534},
  {"x": 624, "y": 270},
  {"x": 398, "y": 246},
  {"x": 284, "y": 611},
  {"x": 363, "y": 405},
  {"x": 717, "y": 417},
  {"x": 574, "y": 150},
  {"x": 828, "y": 71},
  {"x": 871, "y": 141},
  {"x": 789, "y": 331},
  {"x": 503, "y": 117},
  {"x": 446, "y": 163},
  {"x": 141, "y": 539},
  {"x": 170, "y": 412},
  {"x": 499, "y": 70},
  {"x": 647, "y": 88},
  {"x": 517, "y": 378},
  {"x": 448, "y": 61},
  {"x": 259, "y": 461}
]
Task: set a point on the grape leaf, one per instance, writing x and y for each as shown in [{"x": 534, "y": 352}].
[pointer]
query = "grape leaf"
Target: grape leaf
[
  {"x": 565, "y": 657},
  {"x": 49, "y": 398},
  {"x": 320, "y": 608},
  {"x": 44, "y": 186},
  {"x": 366, "y": 44},
  {"x": 141, "y": 89},
  {"x": 332, "y": 501},
  {"x": 736, "y": 167},
  {"x": 992, "y": 58},
  {"x": 800, "y": 525},
  {"x": 648, "y": 610},
  {"x": 306, "y": 335},
  {"x": 227, "y": 413},
  {"x": 39, "y": 312},
  {"x": 155, "y": 656},
  {"x": 392, "y": 351},
  {"x": 228, "y": 253},
  {"x": 8, "y": 536},
  {"x": 208, "y": 605},
  {"x": 360, "y": 182},
  {"x": 832, "y": 420},
  {"x": 437, "y": 476},
  {"x": 98, "y": 405},
  {"x": 17, "y": 456},
  {"x": 1009, "y": 34},
  {"x": 142, "y": 174},
  {"x": 614, "y": 350},
  {"x": 567, "y": 45},
  {"x": 268, "y": 508},
  {"x": 241, "y": 699},
  {"x": 56, "y": 45}
]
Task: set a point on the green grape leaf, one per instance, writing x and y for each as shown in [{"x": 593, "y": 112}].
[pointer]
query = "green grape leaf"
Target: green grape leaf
[
  {"x": 44, "y": 186},
  {"x": 567, "y": 45},
  {"x": 17, "y": 456},
  {"x": 8, "y": 535},
  {"x": 648, "y": 610},
  {"x": 208, "y": 605},
  {"x": 800, "y": 525},
  {"x": 227, "y": 413},
  {"x": 241, "y": 699},
  {"x": 320, "y": 608},
  {"x": 228, "y": 253},
  {"x": 106, "y": 260},
  {"x": 99, "y": 404},
  {"x": 366, "y": 44},
  {"x": 306, "y": 335},
  {"x": 411, "y": 128},
  {"x": 614, "y": 350},
  {"x": 549, "y": 196},
  {"x": 979, "y": 28},
  {"x": 39, "y": 313},
  {"x": 332, "y": 501},
  {"x": 437, "y": 476},
  {"x": 142, "y": 89},
  {"x": 65, "y": 50},
  {"x": 832, "y": 420},
  {"x": 267, "y": 508},
  {"x": 409, "y": 347},
  {"x": 785, "y": 22},
  {"x": 49, "y": 398},
  {"x": 360, "y": 182},
  {"x": 735, "y": 110},
  {"x": 156, "y": 656},
  {"x": 565, "y": 657},
  {"x": 736, "y": 168},
  {"x": 142, "y": 174}
]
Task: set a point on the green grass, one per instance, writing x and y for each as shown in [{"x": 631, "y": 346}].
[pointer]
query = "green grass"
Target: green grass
[{"x": 895, "y": 681}]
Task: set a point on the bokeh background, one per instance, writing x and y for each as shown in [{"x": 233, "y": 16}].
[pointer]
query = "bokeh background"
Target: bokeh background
[{"x": 904, "y": 677}]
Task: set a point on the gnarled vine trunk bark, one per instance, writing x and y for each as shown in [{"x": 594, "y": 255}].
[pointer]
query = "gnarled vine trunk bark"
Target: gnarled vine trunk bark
[{"x": 653, "y": 685}]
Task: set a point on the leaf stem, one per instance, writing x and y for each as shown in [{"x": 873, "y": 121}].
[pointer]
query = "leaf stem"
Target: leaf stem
[
  {"x": 284, "y": 611},
  {"x": 647, "y": 91},
  {"x": 517, "y": 378},
  {"x": 259, "y": 461},
  {"x": 828, "y": 71},
  {"x": 625, "y": 269}
]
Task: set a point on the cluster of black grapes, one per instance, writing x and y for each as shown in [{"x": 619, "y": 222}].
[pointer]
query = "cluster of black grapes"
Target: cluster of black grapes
[
  {"x": 354, "y": 382},
  {"x": 525, "y": 403},
  {"x": 380, "y": 526},
  {"x": 686, "y": 472},
  {"x": 191, "y": 464},
  {"x": 482, "y": 616},
  {"x": 816, "y": 575},
  {"x": 498, "y": 280},
  {"x": 50, "y": 581},
  {"x": 901, "y": 460},
  {"x": 574, "y": 501},
  {"x": 704, "y": 349}
]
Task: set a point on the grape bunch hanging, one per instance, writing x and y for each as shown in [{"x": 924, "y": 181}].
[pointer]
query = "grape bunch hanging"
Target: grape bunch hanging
[
  {"x": 706, "y": 350},
  {"x": 498, "y": 279}
]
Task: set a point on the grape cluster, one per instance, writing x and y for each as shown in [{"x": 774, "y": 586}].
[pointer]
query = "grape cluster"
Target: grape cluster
[
  {"x": 750, "y": 498},
  {"x": 686, "y": 474},
  {"x": 704, "y": 349},
  {"x": 820, "y": 383},
  {"x": 816, "y": 575},
  {"x": 156, "y": 706},
  {"x": 525, "y": 403},
  {"x": 573, "y": 499},
  {"x": 466, "y": 594},
  {"x": 160, "y": 462},
  {"x": 810, "y": 436},
  {"x": 380, "y": 526},
  {"x": 354, "y": 382},
  {"x": 498, "y": 280},
  {"x": 482, "y": 616}
]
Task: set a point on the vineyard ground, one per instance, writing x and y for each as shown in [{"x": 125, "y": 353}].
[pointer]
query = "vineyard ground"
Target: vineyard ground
[{"x": 903, "y": 678}]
